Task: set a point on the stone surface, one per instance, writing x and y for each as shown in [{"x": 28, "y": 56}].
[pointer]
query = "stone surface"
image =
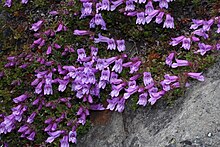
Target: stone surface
[{"x": 194, "y": 120}]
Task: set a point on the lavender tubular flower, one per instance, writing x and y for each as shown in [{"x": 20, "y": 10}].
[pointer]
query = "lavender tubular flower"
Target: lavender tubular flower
[
  {"x": 120, "y": 45},
  {"x": 180, "y": 63},
  {"x": 196, "y": 23},
  {"x": 169, "y": 22},
  {"x": 24, "y": 1},
  {"x": 203, "y": 48},
  {"x": 31, "y": 117},
  {"x": 81, "y": 32},
  {"x": 197, "y": 76},
  {"x": 105, "y": 5},
  {"x": 120, "y": 105},
  {"x": 207, "y": 24},
  {"x": 112, "y": 103},
  {"x": 53, "y": 135},
  {"x": 64, "y": 142},
  {"x": 159, "y": 18},
  {"x": 31, "y": 136},
  {"x": 8, "y": 3},
  {"x": 148, "y": 80},
  {"x": 186, "y": 43},
  {"x": 151, "y": 16},
  {"x": 142, "y": 99},
  {"x": 149, "y": 8},
  {"x": 72, "y": 136},
  {"x": 118, "y": 66},
  {"x": 116, "y": 4},
  {"x": 86, "y": 10},
  {"x": 36, "y": 26},
  {"x": 130, "y": 5},
  {"x": 21, "y": 98},
  {"x": 140, "y": 18},
  {"x": 169, "y": 59}
]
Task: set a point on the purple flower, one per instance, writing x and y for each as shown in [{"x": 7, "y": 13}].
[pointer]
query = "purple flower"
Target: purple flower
[
  {"x": 21, "y": 98},
  {"x": 120, "y": 105},
  {"x": 151, "y": 16},
  {"x": 218, "y": 46},
  {"x": 169, "y": 79},
  {"x": 31, "y": 136},
  {"x": 64, "y": 142},
  {"x": 132, "y": 88},
  {"x": 196, "y": 23},
  {"x": 142, "y": 99},
  {"x": 120, "y": 45},
  {"x": 218, "y": 30},
  {"x": 176, "y": 40},
  {"x": 149, "y": 7},
  {"x": 23, "y": 128},
  {"x": 197, "y": 76},
  {"x": 81, "y": 54},
  {"x": 163, "y": 4},
  {"x": 118, "y": 66},
  {"x": 98, "y": 7},
  {"x": 63, "y": 84},
  {"x": 105, "y": 5},
  {"x": 159, "y": 18},
  {"x": 81, "y": 32},
  {"x": 130, "y": 5},
  {"x": 134, "y": 67},
  {"x": 195, "y": 39},
  {"x": 140, "y": 18},
  {"x": 72, "y": 136},
  {"x": 48, "y": 89},
  {"x": 207, "y": 24},
  {"x": 99, "y": 21},
  {"x": 53, "y": 13},
  {"x": 8, "y": 3},
  {"x": 148, "y": 80},
  {"x": 169, "y": 22},
  {"x": 53, "y": 135},
  {"x": 116, "y": 4},
  {"x": 31, "y": 118},
  {"x": 49, "y": 50},
  {"x": 180, "y": 63},
  {"x": 87, "y": 9},
  {"x": 166, "y": 87},
  {"x": 60, "y": 27},
  {"x": 105, "y": 75},
  {"x": 202, "y": 33},
  {"x": 203, "y": 48},
  {"x": 24, "y": 1},
  {"x": 169, "y": 59},
  {"x": 94, "y": 51},
  {"x": 155, "y": 95},
  {"x": 101, "y": 64},
  {"x": 142, "y": 1},
  {"x": 36, "y": 26},
  {"x": 112, "y": 103},
  {"x": 116, "y": 89},
  {"x": 114, "y": 78},
  {"x": 111, "y": 44},
  {"x": 96, "y": 107},
  {"x": 101, "y": 39},
  {"x": 186, "y": 43}
]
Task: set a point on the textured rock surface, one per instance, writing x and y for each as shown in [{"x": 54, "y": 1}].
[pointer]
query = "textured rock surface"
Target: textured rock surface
[{"x": 194, "y": 120}]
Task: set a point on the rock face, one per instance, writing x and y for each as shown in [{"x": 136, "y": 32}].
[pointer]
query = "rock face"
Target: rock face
[{"x": 194, "y": 120}]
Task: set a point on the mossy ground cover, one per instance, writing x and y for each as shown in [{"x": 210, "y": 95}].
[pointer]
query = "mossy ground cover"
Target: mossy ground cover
[{"x": 149, "y": 42}]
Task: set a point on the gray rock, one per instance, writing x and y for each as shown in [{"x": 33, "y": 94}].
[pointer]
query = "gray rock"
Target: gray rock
[{"x": 194, "y": 120}]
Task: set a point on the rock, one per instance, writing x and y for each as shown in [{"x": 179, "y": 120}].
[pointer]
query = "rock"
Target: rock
[{"x": 194, "y": 120}]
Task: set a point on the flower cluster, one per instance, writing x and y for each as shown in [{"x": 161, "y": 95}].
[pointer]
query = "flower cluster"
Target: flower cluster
[
  {"x": 75, "y": 87},
  {"x": 200, "y": 29}
]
